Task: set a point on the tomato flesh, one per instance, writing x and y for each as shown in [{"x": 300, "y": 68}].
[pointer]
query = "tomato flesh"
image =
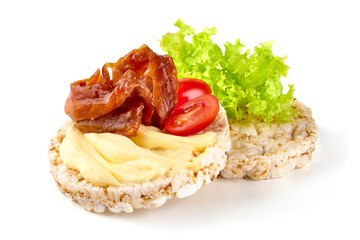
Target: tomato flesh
[
  {"x": 190, "y": 88},
  {"x": 193, "y": 116}
]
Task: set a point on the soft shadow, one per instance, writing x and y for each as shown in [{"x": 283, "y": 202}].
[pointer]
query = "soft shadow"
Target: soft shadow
[{"x": 226, "y": 201}]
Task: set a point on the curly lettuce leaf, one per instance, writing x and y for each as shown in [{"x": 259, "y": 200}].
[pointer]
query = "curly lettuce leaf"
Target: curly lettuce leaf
[{"x": 245, "y": 82}]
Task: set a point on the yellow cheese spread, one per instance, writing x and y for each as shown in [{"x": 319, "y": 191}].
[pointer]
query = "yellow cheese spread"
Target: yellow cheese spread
[{"x": 108, "y": 159}]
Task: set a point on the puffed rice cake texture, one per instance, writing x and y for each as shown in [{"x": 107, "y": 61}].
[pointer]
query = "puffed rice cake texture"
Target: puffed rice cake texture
[
  {"x": 264, "y": 151},
  {"x": 145, "y": 195}
]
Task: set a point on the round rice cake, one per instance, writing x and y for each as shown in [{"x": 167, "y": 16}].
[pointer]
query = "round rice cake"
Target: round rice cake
[
  {"x": 264, "y": 151},
  {"x": 145, "y": 195}
]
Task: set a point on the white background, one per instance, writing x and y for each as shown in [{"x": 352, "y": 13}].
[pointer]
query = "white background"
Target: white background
[{"x": 44, "y": 46}]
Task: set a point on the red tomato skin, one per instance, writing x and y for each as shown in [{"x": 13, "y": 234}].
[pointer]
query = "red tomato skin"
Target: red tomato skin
[
  {"x": 193, "y": 116},
  {"x": 190, "y": 88}
]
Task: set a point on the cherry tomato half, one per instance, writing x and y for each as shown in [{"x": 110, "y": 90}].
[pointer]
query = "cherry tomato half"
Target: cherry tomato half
[
  {"x": 190, "y": 88},
  {"x": 193, "y": 116}
]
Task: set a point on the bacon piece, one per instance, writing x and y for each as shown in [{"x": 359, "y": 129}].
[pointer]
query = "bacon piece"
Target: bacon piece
[
  {"x": 143, "y": 74},
  {"x": 94, "y": 100},
  {"x": 124, "y": 120},
  {"x": 158, "y": 73},
  {"x": 164, "y": 92}
]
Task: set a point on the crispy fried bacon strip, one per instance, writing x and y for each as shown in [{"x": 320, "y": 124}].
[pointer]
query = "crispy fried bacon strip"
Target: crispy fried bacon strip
[
  {"x": 124, "y": 120},
  {"x": 143, "y": 88}
]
